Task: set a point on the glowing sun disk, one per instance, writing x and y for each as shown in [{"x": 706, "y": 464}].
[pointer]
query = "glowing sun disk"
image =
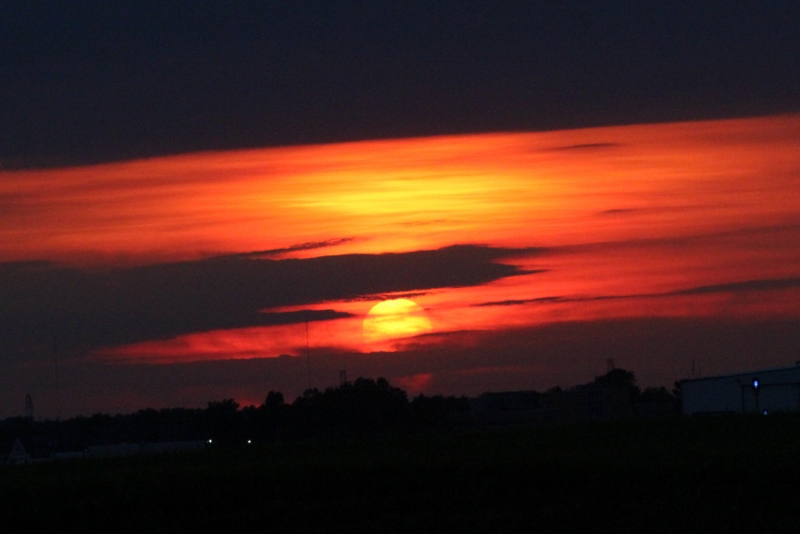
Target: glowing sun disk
[{"x": 392, "y": 319}]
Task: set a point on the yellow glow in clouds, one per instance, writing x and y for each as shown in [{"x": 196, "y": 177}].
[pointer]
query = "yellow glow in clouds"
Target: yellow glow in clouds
[
  {"x": 392, "y": 319},
  {"x": 683, "y": 219}
]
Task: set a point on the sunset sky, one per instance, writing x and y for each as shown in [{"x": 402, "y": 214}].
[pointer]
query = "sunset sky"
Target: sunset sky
[{"x": 201, "y": 202}]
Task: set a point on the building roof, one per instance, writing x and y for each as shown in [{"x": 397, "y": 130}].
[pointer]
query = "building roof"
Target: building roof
[{"x": 744, "y": 373}]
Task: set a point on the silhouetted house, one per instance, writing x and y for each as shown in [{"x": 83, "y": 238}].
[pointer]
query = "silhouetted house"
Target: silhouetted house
[
  {"x": 581, "y": 403},
  {"x": 503, "y": 408},
  {"x": 505, "y": 401},
  {"x": 657, "y": 409},
  {"x": 589, "y": 402},
  {"x": 767, "y": 390}
]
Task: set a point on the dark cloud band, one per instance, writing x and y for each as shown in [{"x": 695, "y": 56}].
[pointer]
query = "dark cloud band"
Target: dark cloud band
[{"x": 91, "y": 309}]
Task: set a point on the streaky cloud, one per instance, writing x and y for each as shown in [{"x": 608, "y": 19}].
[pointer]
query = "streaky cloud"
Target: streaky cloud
[
  {"x": 771, "y": 284},
  {"x": 619, "y": 211},
  {"x": 299, "y": 316},
  {"x": 789, "y": 228},
  {"x": 301, "y": 247},
  {"x": 423, "y": 223},
  {"x": 584, "y": 146},
  {"x": 659, "y": 351},
  {"x": 517, "y": 302},
  {"x": 389, "y": 296},
  {"x": 117, "y": 306}
]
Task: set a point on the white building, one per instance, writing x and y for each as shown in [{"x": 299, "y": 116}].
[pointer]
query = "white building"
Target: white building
[
  {"x": 18, "y": 454},
  {"x": 767, "y": 390}
]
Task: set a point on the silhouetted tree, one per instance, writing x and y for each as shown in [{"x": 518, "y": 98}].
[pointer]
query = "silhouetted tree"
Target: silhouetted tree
[
  {"x": 363, "y": 404},
  {"x": 435, "y": 411},
  {"x": 660, "y": 394},
  {"x": 620, "y": 378},
  {"x": 221, "y": 420},
  {"x": 274, "y": 398},
  {"x": 275, "y": 415}
]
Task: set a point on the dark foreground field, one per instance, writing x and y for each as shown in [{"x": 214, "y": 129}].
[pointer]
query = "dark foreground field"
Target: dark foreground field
[{"x": 732, "y": 474}]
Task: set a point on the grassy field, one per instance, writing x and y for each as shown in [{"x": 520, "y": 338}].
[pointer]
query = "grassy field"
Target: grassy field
[{"x": 740, "y": 474}]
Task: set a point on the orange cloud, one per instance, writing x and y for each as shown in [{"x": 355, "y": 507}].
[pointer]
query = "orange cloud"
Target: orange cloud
[{"x": 596, "y": 223}]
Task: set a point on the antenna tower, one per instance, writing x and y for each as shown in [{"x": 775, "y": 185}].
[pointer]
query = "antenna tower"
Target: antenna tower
[
  {"x": 58, "y": 386},
  {"x": 308, "y": 356}
]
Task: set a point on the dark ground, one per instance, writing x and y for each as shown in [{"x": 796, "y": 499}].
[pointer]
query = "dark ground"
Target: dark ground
[{"x": 732, "y": 474}]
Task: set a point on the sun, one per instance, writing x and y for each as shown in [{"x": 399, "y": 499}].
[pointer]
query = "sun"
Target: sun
[{"x": 393, "y": 319}]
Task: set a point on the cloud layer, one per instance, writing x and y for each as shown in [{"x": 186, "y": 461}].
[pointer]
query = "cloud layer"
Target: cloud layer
[
  {"x": 658, "y": 350},
  {"x": 91, "y": 309}
]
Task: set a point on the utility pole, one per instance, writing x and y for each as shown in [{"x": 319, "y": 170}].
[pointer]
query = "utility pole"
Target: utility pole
[
  {"x": 308, "y": 355},
  {"x": 29, "y": 407},
  {"x": 58, "y": 385}
]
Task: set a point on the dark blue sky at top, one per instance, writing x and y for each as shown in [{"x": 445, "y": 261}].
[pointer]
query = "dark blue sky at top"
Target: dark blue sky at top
[{"x": 93, "y": 81}]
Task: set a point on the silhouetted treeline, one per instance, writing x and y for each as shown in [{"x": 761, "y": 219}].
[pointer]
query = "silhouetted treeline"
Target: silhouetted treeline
[
  {"x": 614, "y": 395},
  {"x": 622, "y": 378},
  {"x": 364, "y": 405}
]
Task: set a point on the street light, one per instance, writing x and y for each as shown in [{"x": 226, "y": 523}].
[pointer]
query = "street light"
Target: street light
[{"x": 755, "y": 393}]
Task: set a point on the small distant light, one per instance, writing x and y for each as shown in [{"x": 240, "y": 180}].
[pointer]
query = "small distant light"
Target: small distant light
[
  {"x": 211, "y": 441},
  {"x": 765, "y": 412},
  {"x": 755, "y": 383},
  {"x": 248, "y": 441}
]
